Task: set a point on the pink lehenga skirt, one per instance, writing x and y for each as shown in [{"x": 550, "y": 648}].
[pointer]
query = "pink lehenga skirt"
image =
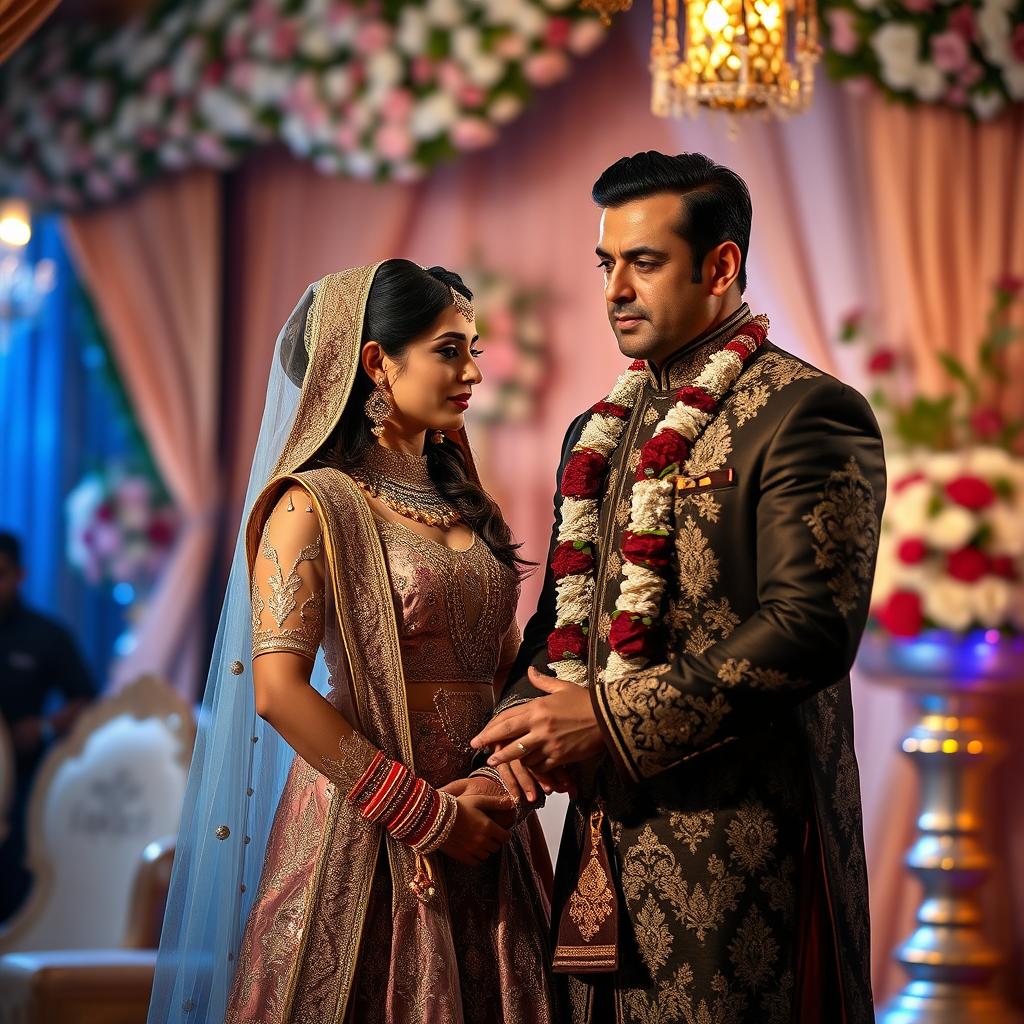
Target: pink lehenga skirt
[{"x": 495, "y": 969}]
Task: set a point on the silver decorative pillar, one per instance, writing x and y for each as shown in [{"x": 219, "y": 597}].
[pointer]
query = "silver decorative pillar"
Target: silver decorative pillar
[{"x": 954, "y": 744}]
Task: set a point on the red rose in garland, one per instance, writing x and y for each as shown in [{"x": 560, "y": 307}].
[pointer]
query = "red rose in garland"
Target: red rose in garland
[
  {"x": 631, "y": 637},
  {"x": 651, "y": 549},
  {"x": 663, "y": 450},
  {"x": 567, "y": 642},
  {"x": 584, "y": 474},
  {"x": 569, "y": 558}
]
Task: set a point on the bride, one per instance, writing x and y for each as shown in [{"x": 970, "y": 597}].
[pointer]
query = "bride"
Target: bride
[{"x": 352, "y": 873}]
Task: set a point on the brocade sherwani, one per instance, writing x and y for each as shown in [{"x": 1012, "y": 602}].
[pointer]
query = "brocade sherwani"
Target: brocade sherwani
[{"x": 730, "y": 784}]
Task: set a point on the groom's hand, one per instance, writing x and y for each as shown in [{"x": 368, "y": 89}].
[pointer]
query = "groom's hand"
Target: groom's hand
[{"x": 549, "y": 731}]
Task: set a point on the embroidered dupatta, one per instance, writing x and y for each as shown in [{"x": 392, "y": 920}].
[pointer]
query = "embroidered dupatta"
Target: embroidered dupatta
[{"x": 369, "y": 684}]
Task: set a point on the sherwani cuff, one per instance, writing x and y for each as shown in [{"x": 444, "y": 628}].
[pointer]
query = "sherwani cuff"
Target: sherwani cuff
[{"x": 602, "y": 701}]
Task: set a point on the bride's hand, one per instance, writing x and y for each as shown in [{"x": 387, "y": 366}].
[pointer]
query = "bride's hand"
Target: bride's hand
[
  {"x": 477, "y": 785},
  {"x": 475, "y": 834}
]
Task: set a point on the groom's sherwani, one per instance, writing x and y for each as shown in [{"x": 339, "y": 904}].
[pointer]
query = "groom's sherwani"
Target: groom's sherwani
[{"x": 731, "y": 787}]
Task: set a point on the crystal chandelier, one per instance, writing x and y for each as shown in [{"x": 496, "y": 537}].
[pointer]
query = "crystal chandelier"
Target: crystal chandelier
[
  {"x": 731, "y": 55},
  {"x": 23, "y": 285}
]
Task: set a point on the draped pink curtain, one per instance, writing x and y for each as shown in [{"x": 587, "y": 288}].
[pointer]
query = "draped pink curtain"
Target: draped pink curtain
[{"x": 153, "y": 267}]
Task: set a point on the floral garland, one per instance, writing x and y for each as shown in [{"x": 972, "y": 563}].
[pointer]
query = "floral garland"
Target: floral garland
[
  {"x": 371, "y": 90},
  {"x": 965, "y": 54},
  {"x": 647, "y": 541}
]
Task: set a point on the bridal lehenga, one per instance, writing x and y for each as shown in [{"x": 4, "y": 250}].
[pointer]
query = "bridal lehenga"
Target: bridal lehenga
[{"x": 413, "y": 635}]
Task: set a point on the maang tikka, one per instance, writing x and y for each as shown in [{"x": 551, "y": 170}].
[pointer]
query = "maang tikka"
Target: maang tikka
[{"x": 378, "y": 407}]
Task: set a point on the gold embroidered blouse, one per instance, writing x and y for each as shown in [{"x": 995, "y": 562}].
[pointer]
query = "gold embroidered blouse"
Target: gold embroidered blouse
[{"x": 455, "y": 609}]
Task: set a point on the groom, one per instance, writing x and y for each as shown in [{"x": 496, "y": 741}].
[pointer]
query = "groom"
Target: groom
[{"x": 708, "y": 594}]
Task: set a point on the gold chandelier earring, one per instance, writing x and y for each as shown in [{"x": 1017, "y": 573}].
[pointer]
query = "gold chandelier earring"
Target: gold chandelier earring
[{"x": 379, "y": 407}]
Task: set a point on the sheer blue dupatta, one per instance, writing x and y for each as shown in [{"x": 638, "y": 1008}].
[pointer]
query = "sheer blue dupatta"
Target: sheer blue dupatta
[{"x": 239, "y": 764}]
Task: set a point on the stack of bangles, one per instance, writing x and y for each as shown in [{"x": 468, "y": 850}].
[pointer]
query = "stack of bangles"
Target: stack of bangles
[{"x": 409, "y": 809}]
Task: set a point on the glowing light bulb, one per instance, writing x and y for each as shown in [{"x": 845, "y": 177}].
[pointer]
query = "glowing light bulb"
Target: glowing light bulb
[
  {"x": 715, "y": 17},
  {"x": 14, "y": 224},
  {"x": 770, "y": 16}
]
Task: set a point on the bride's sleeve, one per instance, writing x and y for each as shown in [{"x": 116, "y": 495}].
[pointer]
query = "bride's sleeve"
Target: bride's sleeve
[{"x": 288, "y": 580}]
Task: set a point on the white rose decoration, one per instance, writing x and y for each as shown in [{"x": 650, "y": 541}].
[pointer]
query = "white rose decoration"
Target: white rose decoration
[
  {"x": 929, "y": 82},
  {"x": 950, "y": 604},
  {"x": 897, "y": 46},
  {"x": 952, "y": 528},
  {"x": 991, "y": 601}
]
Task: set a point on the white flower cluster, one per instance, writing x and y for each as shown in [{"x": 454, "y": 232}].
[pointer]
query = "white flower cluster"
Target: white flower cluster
[
  {"x": 354, "y": 89},
  {"x": 937, "y": 52},
  {"x": 952, "y": 540}
]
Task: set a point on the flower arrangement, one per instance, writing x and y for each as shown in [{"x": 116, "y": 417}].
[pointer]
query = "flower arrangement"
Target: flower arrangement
[
  {"x": 951, "y": 551},
  {"x": 965, "y": 54},
  {"x": 509, "y": 319},
  {"x": 120, "y": 529},
  {"x": 378, "y": 89}
]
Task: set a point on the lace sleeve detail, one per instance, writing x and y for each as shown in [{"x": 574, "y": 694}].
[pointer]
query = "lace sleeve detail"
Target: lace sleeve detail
[{"x": 288, "y": 580}]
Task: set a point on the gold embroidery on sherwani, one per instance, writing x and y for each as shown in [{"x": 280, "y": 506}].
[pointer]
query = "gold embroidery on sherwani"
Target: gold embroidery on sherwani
[
  {"x": 754, "y": 950},
  {"x": 844, "y": 525},
  {"x": 711, "y": 448},
  {"x": 734, "y": 671},
  {"x": 613, "y": 566},
  {"x": 653, "y": 935},
  {"x": 705, "y": 505},
  {"x": 691, "y": 829},
  {"x": 698, "y": 564},
  {"x": 656, "y": 719},
  {"x": 622, "y": 511},
  {"x": 780, "y": 890},
  {"x": 768, "y": 374},
  {"x": 651, "y": 416},
  {"x": 751, "y": 836},
  {"x": 700, "y": 908}
]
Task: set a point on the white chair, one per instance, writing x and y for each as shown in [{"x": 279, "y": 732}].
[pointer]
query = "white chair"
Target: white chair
[{"x": 114, "y": 786}]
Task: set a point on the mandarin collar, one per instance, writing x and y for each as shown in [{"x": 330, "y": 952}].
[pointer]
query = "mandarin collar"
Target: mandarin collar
[{"x": 685, "y": 363}]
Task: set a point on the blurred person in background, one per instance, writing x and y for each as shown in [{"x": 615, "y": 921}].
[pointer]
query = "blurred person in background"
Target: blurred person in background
[{"x": 39, "y": 661}]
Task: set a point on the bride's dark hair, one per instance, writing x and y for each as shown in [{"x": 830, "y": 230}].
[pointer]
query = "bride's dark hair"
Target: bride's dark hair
[{"x": 404, "y": 301}]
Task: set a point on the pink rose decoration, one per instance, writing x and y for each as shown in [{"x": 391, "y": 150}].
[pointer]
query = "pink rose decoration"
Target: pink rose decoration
[
  {"x": 546, "y": 68},
  {"x": 919, "y": 6},
  {"x": 372, "y": 37},
  {"x": 473, "y": 133},
  {"x": 346, "y": 137},
  {"x": 511, "y": 46},
  {"x": 843, "y": 31},
  {"x": 285, "y": 40},
  {"x": 451, "y": 77},
  {"x": 159, "y": 83},
  {"x": 950, "y": 51},
  {"x": 423, "y": 70},
  {"x": 393, "y": 142},
  {"x": 471, "y": 95},
  {"x": 397, "y": 105},
  {"x": 971, "y": 74}
]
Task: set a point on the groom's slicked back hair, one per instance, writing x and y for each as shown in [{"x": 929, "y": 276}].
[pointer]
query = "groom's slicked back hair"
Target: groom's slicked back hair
[{"x": 716, "y": 202}]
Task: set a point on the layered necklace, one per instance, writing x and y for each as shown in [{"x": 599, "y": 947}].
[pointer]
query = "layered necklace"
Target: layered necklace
[
  {"x": 403, "y": 483},
  {"x": 636, "y": 627}
]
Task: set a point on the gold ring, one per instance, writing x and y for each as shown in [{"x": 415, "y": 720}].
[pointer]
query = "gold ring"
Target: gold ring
[{"x": 522, "y": 748}]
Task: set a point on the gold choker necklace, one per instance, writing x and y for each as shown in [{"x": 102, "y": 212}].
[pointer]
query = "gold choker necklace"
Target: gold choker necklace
[{"x": 402, "y": 483}]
